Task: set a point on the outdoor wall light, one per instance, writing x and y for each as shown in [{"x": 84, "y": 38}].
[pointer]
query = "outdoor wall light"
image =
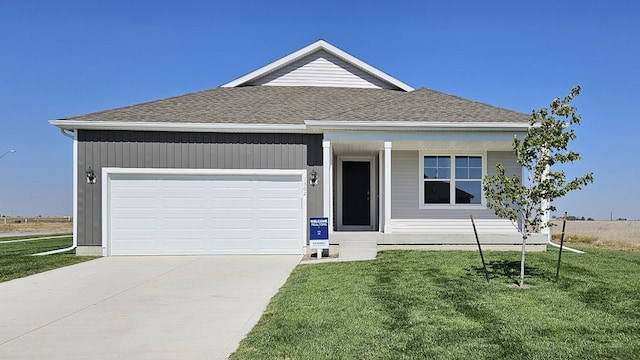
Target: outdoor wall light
[
  {"x": 91, "y": 176},
  {"x": 313, "y": 178}
]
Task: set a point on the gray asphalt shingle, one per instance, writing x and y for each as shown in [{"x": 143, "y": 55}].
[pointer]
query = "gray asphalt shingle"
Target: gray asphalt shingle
[{"x": 294, "y": 105}]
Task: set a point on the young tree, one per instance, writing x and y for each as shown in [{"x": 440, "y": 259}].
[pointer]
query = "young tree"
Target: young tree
[{"x": 545, "y": 144}]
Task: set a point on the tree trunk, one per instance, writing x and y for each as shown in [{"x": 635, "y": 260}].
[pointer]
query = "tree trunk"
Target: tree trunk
[{"x": 524, "y": 245}]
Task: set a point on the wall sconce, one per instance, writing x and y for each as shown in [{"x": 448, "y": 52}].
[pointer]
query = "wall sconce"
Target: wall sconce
[
  {"x": 91, "y": 176},
  {"x": 313, "y": 178}
]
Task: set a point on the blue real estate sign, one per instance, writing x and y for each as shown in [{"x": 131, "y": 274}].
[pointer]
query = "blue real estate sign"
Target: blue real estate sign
[{"x": 318, "y": 233}]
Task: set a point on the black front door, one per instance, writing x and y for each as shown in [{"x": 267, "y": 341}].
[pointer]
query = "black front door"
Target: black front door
[{"x": 356, "y": 193}]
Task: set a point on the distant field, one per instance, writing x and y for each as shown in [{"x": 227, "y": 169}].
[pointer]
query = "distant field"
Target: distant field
[
  {"x": 620, "y": 235},
  {"x": 25, "y": 224}
]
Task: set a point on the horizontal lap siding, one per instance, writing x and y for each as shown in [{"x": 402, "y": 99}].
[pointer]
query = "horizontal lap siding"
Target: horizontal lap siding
[
  {"x": 321, "y": 69},
  {"x": 405, "y": 194},
  {"x": 136, "y": 149},
  {"x": 507, "y": 159},
  {"x": 453, "y": 226}
]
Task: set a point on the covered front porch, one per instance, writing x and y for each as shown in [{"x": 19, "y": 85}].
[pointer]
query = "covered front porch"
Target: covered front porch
[{"x": 379, "y": 184}]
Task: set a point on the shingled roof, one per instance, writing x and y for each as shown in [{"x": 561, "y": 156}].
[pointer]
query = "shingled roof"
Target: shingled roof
[{"x": 294, "y": 104}]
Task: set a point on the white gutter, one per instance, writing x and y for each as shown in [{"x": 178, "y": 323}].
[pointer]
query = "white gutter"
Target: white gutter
[
  {"x": 75, "y": 196},
  {"x": 309, "y": 126},
  {"x": 416, "y": 125},
  {"x": 167, "y": 126}
]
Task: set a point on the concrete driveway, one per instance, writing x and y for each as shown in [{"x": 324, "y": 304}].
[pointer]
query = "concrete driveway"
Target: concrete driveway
[{"x": 175, "y": 307}]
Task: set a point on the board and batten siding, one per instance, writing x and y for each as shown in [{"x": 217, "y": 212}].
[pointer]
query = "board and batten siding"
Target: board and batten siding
[
  {"x": 184, "y": 150},
  {"x": 321, "y": 69},
  {"x": 405, "y": 182}
]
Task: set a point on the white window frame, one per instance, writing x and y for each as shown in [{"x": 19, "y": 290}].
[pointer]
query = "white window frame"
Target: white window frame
[{"x": 451, "y": 205}]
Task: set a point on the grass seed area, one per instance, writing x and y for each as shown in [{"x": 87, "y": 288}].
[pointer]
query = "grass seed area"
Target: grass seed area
[
  {"x": 437, "y": 305},
  {"x": 16, "y": 258}
]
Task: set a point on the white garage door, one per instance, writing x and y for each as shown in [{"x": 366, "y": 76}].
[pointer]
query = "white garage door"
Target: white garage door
[{"x": 171, "y": 214}]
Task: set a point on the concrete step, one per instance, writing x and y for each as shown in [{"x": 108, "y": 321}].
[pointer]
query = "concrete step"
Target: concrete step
[
  {"x": 357, "y": 254},
  {"x": 358, "y": 246}
]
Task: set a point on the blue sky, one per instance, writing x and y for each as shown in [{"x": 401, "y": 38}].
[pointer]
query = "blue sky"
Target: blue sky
[{"x": 64, "y": 58}]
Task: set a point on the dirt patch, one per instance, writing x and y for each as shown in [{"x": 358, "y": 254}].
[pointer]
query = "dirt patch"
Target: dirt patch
[
  {"x": 619, "y": 235},
  {"x": 312, "y": 253},
  {"x": 31, "y": 224}
]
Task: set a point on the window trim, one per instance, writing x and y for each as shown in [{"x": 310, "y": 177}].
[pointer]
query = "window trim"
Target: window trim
[{"x": 452, "y": 156}]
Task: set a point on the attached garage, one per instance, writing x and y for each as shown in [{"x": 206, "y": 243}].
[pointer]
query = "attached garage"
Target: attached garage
[{"x": 185, "y": 212}]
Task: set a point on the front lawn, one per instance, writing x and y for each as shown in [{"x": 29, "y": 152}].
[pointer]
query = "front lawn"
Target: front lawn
[
  {"x": 16, "y": 260},
  {"x": 437, "y": 305}
]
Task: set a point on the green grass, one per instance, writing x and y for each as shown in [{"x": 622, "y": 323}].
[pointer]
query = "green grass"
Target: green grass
[
  {"x": 437, "y": 305},
  {"x": 16, "y": 260}
]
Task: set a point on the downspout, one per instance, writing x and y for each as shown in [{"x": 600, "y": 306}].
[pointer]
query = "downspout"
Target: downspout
[
  {"x": 74, "y": 245},
  {"x": 564, "y": 247},
  {"x": 546, "y": 221}
]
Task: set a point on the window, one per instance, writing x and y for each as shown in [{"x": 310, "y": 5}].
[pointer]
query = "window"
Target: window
[{"x": 452, "y": 180}]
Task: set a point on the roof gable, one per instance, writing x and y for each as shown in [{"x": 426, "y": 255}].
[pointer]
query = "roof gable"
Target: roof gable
[
  {"x": 320, "y": 64},
  {"x": 321, "y": 68}
]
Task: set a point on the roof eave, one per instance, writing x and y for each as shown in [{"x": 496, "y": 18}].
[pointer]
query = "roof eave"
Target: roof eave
[
  {"x": 181, "y": 127},
  {"x": 416, "y": 125},
  {"x": 309, "y": 126}
]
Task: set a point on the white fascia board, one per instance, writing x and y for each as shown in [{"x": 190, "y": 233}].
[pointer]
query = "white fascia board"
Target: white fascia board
[
  {"x": 182, "y": 127},
  {"x": 318, "y": 45},
  {"x": 415, "y": 125}
]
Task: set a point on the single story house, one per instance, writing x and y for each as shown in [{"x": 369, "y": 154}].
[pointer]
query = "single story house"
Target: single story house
[{"x": 240, "y": 169}]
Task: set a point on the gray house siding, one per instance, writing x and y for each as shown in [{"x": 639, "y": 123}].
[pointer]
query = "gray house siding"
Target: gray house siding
[
  {"x": 183, "y": 150},
  {"x": 405, "y": 187}
]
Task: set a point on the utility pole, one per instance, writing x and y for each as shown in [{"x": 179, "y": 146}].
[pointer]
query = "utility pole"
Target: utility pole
[{"x": 8, "y": 152}]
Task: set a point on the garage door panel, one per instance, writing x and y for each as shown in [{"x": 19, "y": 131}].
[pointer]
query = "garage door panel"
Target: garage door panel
[
  {"x": 275, "y": 224},
  {"x": 278, "y": 204},
  {"x": 215, "y": 214},
  {"x": 187, "y": 245},
  {"x": 232, "y": 224},
  {"x": 137, "y": 203},
  {"x": 233, "y": 238},
  {"x": 135, "y": 248},
  {"x": 185, "y": 204},
  {"x": 241, "y": 204}
]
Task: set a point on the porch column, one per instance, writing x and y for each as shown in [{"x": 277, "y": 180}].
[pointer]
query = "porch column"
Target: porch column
[
  {"x": 327, "y": 182},
  {"x": 381, "y": 191},
  {"x": 387, "y": 186}
]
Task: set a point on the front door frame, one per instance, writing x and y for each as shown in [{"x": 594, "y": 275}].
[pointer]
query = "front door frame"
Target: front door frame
[{"x": 373, "y": 197}]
